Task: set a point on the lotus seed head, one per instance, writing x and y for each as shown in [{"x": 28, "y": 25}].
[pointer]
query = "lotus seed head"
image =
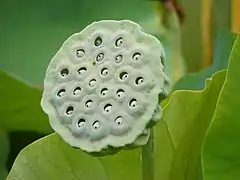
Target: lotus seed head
[{"x": 111, "y": 102}]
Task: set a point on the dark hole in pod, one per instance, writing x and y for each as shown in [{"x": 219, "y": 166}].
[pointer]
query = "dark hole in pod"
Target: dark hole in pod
[
  {"x": 69, "y": 110},
  {"x": 119, "y": 120},
  {"x": 81, "y": 122},
  {"x": 123, "y": 75},
  {"x": 104, "y": 72},
  {"x": 119, "y": 42},
  {"x": 92, "y": 83},
  {"x": 64, "y": 72},
  {"x": 120, "y": 93},
  {"x": 77, "y": 91},
  {"x": 80, "y": 53},
  {"x": 139, "y": 80},
  {"x": 99, "y": 57},
  {"x": 98, "y": 41},
  {"x": 136, "y": 56},
  {"x": 96, "y": 125},
  {"x": 107, "y": 107},
  {"x": 133, "y": 102},
  {"x": 104, "y": 91},
  {"x": 118, "y": 58},
  {"x": 61, "y": 92},
  {"x": 88, "y": 103},
  {"x": 82, "y": 70}
]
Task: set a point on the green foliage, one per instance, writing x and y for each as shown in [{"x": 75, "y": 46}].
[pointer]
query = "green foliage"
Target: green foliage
[
  {"x": 21, "y": 109},
  {"x": 178, "y": 137},
  {"x": 221, "y": 148},
  {"x": 221, "y": 16},
  {"x": 185, "y": 120},
  {"x": 35, "y": 30},
  {"x": 43, "y": 26},
  {"x": 192, "y": 35},
  {"x": 59, "y": 161},
  {"x": 196, "y": 81},
  {"x": 32, "y": 33}
]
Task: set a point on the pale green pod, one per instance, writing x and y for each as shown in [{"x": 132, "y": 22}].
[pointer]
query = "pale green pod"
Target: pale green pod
[{"x": 102, "y": 88}]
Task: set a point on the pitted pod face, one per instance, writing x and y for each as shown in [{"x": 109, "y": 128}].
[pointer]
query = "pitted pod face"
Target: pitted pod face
[{"x": 102, "y": 87}]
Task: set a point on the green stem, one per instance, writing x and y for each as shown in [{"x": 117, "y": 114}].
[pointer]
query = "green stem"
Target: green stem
[{"x": 148, "y": 158}]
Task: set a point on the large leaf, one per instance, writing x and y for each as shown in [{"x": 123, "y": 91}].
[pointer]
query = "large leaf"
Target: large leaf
[
  {"x": 180, "y": 135},
  {"x": 221, "y": 157},
  {"x": 20, "y": 111},
  {"x": 20, "y": 107},
  {"x": 19, "y": 140},
  {"x": 51, "y": 158},
  {"x": 196, "y": 81}
]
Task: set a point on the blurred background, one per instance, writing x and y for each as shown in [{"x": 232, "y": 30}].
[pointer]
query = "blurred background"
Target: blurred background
[{"x": 32, "y": 31}]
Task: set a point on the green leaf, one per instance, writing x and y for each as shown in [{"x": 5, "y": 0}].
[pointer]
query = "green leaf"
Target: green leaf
[
  {"x": 178, "y": 142},
  {"x": 20, "y": 112},
  {"x": 51, "y": 158},
  {"x": 196, "y": 81},
  {"x": 179, "y": 136},
  {"x": 20, "y": 108},
  {"x": 4, "y": 149},
  {"x": 220, "y": 154},
  {"x": 19, "y": 140}
]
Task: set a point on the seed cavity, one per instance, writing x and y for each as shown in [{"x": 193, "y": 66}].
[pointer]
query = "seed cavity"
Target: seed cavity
[
  {"x": 64, "y": 72},
  {"x": 81, "y": 122},
  {"x": 119, "y": 121},
  {"x": 104, "y": 91},
  {"x": 82, "y": 70},
  {"x": 92, "y": 82},
  {"x": 88, "y": 103},
  {"x": 119, "y": 42},
  {"x": 136, "y": 56},
  {"x": 123, "y": 75},
  {"x": 104, "y": 72},
  {"x": 108, "y": 108},
  {"x": 77, "y": 91},
  {"x": 133, "y": 103},
  {"x": 118, "y": 58},
  {"x": 98, "y": 41},
  {"x": 120, "y": 93},
  {"x": 99, "y": 57},
  {"x": 96, "y": 125},
  {"x": 69, "y": 110},
  {"x": 80, "y": 53},
  {"x": 61, "y": 92},
  {"x": 139, "y": 80}
]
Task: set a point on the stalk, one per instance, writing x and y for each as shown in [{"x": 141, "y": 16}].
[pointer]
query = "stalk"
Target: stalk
[{"x": 148, "y": 158}]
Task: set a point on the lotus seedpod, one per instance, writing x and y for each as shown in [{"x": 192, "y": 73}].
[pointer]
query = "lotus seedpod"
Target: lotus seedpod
[{"x": 102, "y": 88}]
